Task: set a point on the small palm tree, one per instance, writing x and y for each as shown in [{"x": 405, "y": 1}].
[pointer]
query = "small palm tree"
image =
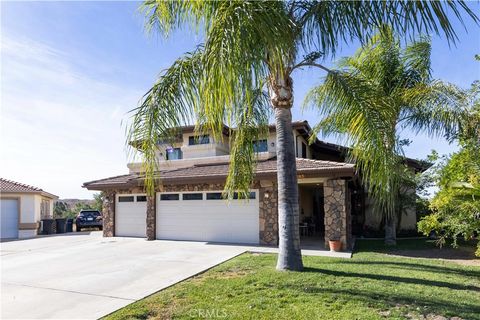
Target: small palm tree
[
  {"x": 249, "y": 47},
  {"x": 375, "y": 94}
]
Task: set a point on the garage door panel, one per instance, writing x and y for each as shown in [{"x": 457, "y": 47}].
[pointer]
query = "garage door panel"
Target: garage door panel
[
  {"x": 130, "y": 217},
  {"x": 208, "y": 220},
  {"x": 9, "y": 218}
]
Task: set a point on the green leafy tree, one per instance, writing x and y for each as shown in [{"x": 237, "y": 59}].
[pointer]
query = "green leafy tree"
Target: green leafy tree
[
  {"x": 456, "y": 206},
  {"x": 98, "y": 204},
  {"x": 60, "y": 209},
  {"x": 375, "y": 94},
  {"x": 250, "y": 47}
]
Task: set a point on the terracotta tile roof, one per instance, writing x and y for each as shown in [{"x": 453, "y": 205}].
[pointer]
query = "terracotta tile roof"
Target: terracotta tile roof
[
  {"x": 220, "y": 170},
  {"x": 8, "y": 186}
]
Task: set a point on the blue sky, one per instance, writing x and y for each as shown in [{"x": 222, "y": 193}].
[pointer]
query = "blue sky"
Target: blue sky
[{"x": 71, "y": 71}]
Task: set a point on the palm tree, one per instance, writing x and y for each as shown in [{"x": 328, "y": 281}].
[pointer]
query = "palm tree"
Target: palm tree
[
  {"x": 379, "y": 91},
  {"x": 250, "y": 46}
]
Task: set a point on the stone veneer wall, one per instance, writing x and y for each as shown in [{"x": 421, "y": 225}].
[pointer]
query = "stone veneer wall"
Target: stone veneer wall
[
  {"x": 268, "y": 214},
  {"x": 108, "y": 213},
  {"x": 337, "y": 212}
]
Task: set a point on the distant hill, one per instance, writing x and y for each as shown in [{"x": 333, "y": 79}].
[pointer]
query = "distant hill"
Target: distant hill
[{"x": 71, "y": 203}]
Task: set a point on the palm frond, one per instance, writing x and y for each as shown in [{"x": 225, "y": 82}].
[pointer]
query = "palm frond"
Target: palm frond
[
  {"x": 170, "y": 103},
  {"x": 379, "y": 88},
  {"x": 326, "y": 24},
  {"x": 435, "y": 108},
  {"x": 252, "y": 124},
  {"x": 353, "y": 108}
]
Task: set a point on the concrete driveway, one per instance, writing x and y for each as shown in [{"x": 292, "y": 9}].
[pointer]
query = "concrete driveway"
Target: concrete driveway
[{"x": 85, "y": 276}]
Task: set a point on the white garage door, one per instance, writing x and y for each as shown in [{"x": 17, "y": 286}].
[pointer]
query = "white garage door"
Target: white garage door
[
  {"x": 9, "y": 218},
  {"x": 131, "y": 215},
  {"x": 205, "y": 216}
]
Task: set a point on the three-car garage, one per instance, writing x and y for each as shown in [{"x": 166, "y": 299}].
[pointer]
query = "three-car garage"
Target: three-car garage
[{"x": 192, "y": 215}]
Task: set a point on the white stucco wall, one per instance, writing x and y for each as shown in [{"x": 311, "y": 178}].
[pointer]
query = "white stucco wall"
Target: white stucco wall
[
  {"x": 28, "y": 206},
  {"x": 298, "y": 144},
  {"x": 297, "y": 138},
  {"x": 30, "y": 210}
]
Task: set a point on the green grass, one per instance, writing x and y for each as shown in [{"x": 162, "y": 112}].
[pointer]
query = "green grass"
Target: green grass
[{"x": 371, "y": 285}]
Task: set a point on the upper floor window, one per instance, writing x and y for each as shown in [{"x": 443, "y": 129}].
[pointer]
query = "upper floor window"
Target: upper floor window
[
  {"x": 194, "y": 140},
  {"x": 174, "y": 153},
  {"x": 260, "y": 145},
  {"x": 304, "y": 150}
]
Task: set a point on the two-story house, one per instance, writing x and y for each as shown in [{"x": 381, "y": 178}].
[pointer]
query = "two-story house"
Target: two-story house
[{"x": 189, "y": 206}]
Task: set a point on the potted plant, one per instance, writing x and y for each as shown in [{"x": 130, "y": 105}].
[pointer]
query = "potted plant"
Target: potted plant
[{"x": 335, "y": 245}]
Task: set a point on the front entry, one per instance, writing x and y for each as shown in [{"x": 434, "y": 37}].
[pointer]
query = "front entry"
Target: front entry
[{"x": 312, "y": 227}]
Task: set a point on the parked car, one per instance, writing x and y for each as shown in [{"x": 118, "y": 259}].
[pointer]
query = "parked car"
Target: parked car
[{"x": 89, "y": 219}]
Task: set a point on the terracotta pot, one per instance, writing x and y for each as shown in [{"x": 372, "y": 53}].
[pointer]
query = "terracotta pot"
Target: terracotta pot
[{"x": 335, "y": 245}]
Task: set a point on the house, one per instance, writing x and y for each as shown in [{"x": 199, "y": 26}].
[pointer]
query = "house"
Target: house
[
  {"x": 22, "y": 208},
  {"x": 188, "y": 204}
]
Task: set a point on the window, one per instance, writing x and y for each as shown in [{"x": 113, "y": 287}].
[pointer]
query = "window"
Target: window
[
  {"x": 169, "y": 196},
  {"x": 304, "y": 150},
  {"x": 194, "y": 140},
  {"x": 93, "y": 213},
  {"x": 192, "y": 196},
  {"x": 251, "y": 195},
  {"x": 260, "y": 146},
  {"x": 141, "y": 198},
  {"x": 45, "y": 208},
  {"x": 174, "y": 153},
  {"x": 214, "y": 196},
  {"x": 125, "y": 199}
]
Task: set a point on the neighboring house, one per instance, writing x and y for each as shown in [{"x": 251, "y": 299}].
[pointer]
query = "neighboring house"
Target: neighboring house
[
  {"x": 22, "y": 208},
  {"x": 188, "y": 204}
]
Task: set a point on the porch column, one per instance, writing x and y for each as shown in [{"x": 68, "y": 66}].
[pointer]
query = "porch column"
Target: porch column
[
  {"x": 337, "y": 212},
  {"x": 108, "y": 214},
  {"x": 268, "y": 215},
  {"x": 151, "y": 218}
]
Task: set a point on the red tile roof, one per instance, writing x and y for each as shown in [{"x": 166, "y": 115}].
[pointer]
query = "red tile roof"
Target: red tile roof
[
  {"x": 199, "y": 173},
  {"x": 8, "y": 186}
]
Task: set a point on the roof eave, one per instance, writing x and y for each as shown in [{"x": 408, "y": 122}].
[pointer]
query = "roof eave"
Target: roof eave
[
  {"x": 348, "y": 171},
  {"x": 39, "y": 192}
]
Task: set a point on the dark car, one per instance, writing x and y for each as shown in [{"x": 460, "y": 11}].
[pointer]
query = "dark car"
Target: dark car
[{"x": 89, "y": 219}]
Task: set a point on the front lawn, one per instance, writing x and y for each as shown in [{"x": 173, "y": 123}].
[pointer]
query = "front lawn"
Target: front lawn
[{"x": 371, "y": 285}]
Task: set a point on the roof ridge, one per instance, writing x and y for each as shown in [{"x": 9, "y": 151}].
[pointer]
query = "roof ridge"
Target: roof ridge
[{"x": 21, "y": 184}]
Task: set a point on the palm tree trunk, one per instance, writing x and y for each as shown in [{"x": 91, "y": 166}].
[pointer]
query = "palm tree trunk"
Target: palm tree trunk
[
  {"x": 390, "y": 231},
  {"x": 290, "y": 256}
]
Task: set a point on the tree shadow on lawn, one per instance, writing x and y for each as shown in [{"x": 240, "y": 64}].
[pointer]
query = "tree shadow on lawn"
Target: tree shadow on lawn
[
  {"x": 393, "y": 299},
  {"x": 424, "y": 282},
  {"x": 420, "y": 248},
  {"x": 419, "y": 267}
]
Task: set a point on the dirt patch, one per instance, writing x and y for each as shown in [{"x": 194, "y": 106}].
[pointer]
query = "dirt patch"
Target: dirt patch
[{"x": 464, "y": 256}]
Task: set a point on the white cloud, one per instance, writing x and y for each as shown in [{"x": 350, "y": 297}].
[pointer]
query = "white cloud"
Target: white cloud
[{"x": 59, "y": 127}]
